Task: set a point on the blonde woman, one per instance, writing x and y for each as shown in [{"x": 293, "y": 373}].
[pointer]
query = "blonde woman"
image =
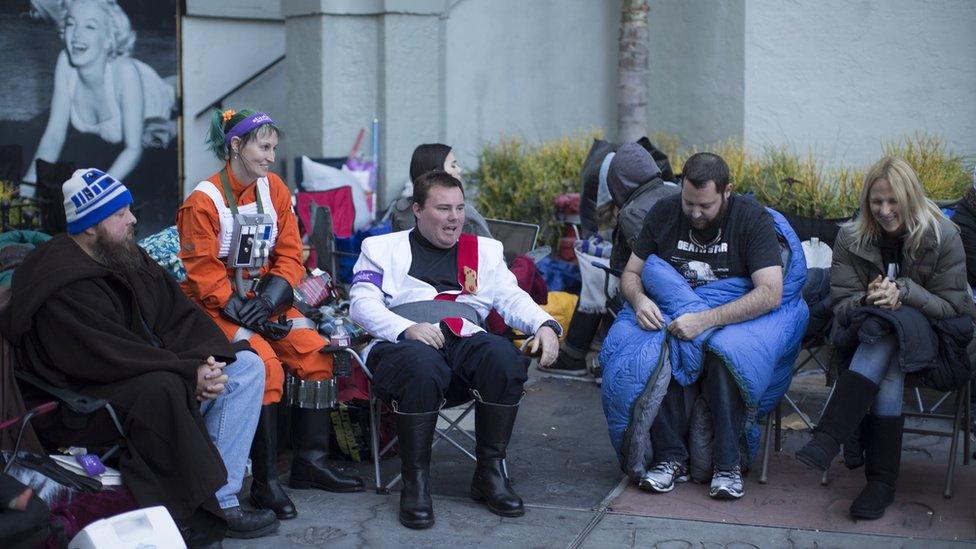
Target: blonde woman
[
  {"x": 901, "y": 305},
  {"x": 99, "y": 89}
]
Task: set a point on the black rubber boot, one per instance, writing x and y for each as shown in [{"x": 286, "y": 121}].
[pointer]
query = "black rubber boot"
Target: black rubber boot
[
  {"x": 247, "y": 523},
  {"x": 493, "y": 425},
  {"x": 266, "y": 490},
  {"x": 882, "y": 460},
  {"x": 853, "y": 397},
  {"x": 416, "y": 434},
  {"x": 310, "y": 468}
]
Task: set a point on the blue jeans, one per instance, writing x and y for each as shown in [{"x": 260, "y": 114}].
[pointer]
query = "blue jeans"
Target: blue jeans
[
  {"x": 232, "y": 418},
  {"x": 878, "y": 362},
  {"x": 669, "y": 432}
]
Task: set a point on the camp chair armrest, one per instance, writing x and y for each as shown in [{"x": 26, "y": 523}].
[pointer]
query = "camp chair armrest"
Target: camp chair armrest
[
  {"x": 75, "y": 402},
  {"x": 610, "y": 270}
]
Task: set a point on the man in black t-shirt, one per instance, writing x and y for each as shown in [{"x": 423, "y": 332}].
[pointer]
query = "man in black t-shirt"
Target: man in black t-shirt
[{"x": 706, "y": 233}]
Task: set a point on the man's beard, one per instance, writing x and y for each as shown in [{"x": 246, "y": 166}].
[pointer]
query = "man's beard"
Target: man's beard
[
  {"x": 119, "y": 255},
  {"x": 711, "y": 229}
]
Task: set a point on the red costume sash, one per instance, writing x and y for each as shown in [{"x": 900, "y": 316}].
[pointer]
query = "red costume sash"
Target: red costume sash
[{"x": 467, "y": 265}]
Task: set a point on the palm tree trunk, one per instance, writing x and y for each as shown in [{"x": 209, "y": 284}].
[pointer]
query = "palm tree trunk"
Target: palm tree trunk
[{"x": 632, "y": 71}]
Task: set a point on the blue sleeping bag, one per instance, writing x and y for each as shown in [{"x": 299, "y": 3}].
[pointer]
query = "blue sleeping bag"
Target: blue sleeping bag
[{"x": 759, "y": 353}]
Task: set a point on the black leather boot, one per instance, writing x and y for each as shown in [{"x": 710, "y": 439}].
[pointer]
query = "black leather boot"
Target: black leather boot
[
  {"x": 493, "y": 425},
  {"x": 310, "y": 468},
  {"x": 882, "y": 460},
  {"x": 853, "y": 397},
  {"x": 416, "y": 434},
  {"x": 266, "y": 490},
  {"x": 247, "y": 523},
  {"x": 854, "y": 448}
]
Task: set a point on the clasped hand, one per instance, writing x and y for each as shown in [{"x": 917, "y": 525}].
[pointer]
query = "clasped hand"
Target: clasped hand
[
  {"x": 211, "y": 379},
  {"x": 883, "y": 293},
  {"x": 687, "y": 326}
]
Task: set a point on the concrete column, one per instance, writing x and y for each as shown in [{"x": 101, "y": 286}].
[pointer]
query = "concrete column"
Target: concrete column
[{"x": 349, "y": 61}]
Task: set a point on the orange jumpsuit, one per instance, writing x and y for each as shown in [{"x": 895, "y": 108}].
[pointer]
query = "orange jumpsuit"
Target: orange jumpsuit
[{"x": 208, "y": 280}]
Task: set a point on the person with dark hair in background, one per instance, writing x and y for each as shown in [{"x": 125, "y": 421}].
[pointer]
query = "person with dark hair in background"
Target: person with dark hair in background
[
  {"x": 965, "y": 219},
  {"x": 423, "y": 294},
  {"x": 246, "y": 141},
  {"x": 706, "y": 233},
  {"x": 901, "y": 305},
  {"x": 429, "y": 157}
]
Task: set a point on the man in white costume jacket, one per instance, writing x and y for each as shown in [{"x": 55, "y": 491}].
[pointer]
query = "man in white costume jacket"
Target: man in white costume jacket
[{"x": 423, "y": 294}]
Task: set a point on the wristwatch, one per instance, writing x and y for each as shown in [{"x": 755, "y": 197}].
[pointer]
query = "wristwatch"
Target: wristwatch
[{"x": 554, "y": 326}]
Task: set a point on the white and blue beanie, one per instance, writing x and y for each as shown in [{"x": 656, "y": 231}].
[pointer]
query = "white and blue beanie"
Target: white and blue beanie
[{"x": 90, "y": 196}]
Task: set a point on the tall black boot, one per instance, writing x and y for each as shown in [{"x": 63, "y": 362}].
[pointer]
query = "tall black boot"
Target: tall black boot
[
  {"x": 416, "y": 434},
  {"x": 854, "y": 447},
  {"x": 853, "y": 397},
  {"x": 882, "y": 460},
  {"x": 310, "y": 434},
  {"x": 266, "y": 490},
  {"x": 493, "y": 424}
]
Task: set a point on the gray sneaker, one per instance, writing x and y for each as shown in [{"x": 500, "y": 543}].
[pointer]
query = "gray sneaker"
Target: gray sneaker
[
  {"x": 727, "y": 484},
  {"x": 661, "y": 477}
]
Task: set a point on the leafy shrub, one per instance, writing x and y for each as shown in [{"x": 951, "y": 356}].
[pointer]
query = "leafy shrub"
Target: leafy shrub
[
  {"x": 517, "y": 181},
  {"x": 941, "y": 171},
  {"x": 803, "y": 185}
]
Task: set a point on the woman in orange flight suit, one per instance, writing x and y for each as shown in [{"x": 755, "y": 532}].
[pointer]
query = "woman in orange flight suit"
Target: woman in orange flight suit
[{"x": 246, "y": 141}]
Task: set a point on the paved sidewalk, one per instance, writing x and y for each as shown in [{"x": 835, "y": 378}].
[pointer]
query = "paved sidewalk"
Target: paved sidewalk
[{"x": 562, "y": 464}]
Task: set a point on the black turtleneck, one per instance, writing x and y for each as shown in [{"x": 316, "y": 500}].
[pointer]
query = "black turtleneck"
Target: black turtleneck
[
  {"x": 433, "y": 265},
  {"x": 891, "y": 251}
]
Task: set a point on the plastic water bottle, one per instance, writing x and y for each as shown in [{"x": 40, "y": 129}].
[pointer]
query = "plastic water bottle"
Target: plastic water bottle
[{"x": 341, "y": 363}]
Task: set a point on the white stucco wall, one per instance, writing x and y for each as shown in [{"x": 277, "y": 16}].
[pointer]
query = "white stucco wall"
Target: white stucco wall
[
  {"x": 837, "y": 76},
  {"x": 219, "y": 54},
  {"x": 833, "y": 76},
  {"x": 538, "y": 70},
  {"x": 696, "y": 65}
]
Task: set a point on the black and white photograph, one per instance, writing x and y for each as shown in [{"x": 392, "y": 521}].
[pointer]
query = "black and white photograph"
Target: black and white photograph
[{"x": 92, "y": 83}]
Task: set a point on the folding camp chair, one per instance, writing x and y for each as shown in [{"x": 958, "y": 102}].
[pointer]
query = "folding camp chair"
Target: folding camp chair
[
  {"x": 451, "y": 434},
  {"x": 961, "y": 418},
  {"x": 517, "y": 238}
]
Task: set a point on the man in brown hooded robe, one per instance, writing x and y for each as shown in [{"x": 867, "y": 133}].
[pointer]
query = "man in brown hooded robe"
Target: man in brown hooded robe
[{"x": 92, "y": 313}]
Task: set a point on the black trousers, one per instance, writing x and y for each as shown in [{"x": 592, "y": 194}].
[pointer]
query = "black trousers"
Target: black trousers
[
  {"x": 669, "y": 432},
  {"x": 418, "y": 377}
]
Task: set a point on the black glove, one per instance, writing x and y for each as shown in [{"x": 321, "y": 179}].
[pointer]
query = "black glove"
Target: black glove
[
  {"x": 274, "y": 296},
  {"x": 270, "y": 329},
  {"x": 255, "y": 311},
  {"x": 232, "y": 309},
  {"x": 274, "y": 330}
]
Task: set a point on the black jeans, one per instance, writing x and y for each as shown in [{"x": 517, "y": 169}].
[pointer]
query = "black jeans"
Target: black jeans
[
  {"x": 669, "y": 432},
  {"x": 418, "y": 377}
]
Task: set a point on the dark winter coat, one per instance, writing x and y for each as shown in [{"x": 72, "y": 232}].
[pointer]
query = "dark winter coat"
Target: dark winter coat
[
  {"x": 965, "y": 218},
  {"x": 136, "y": 341},
  {"x": 934, "y": 324},
  {"x": 934, "y": 282},
  {"x": 934, "y": 350}
]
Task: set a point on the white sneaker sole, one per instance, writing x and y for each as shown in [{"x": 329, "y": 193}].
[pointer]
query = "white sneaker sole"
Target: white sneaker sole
[
  {"x": 722, "y": 493},
  {"x": 649, "y": 487},
  {"x": 653, "y": 488}
]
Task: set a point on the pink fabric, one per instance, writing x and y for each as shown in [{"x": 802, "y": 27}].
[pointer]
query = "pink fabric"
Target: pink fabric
[
  {"x": 339, "y": 201},
  {"x": 82, "y": 509}
]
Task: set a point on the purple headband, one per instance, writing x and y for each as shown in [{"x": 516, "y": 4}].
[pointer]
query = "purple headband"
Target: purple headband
[{"x": 246, "y": 125}]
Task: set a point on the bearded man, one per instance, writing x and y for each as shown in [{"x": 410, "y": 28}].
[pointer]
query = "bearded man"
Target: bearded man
[
  {"x": 92, "y": 313},
  {"x": 706, "y": 233}
]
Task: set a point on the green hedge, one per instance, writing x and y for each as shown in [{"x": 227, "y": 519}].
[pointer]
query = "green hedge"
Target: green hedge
[{"x": 519, "y": 181}]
